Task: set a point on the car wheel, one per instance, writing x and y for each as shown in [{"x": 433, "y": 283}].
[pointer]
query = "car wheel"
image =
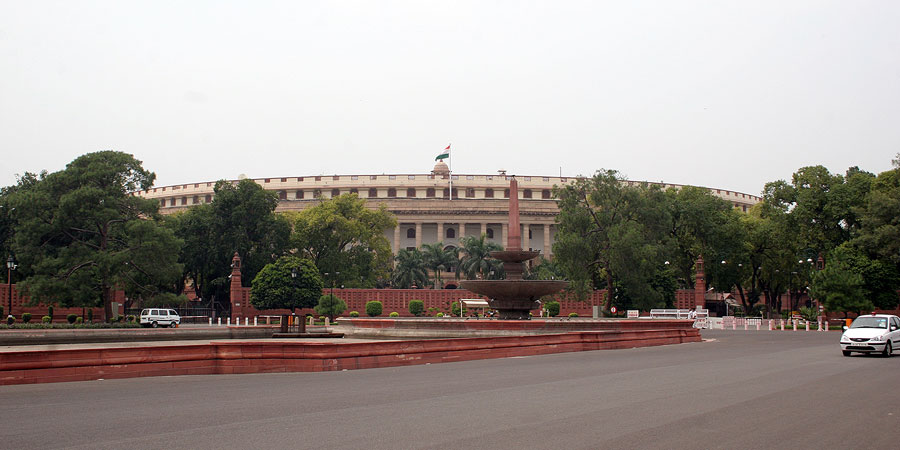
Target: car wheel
[
  {"x": 887, "y": 350},
  {"x": 154, "y": 325},
  {"x": 846, "y": 352},
  {"x": 173, "y": 324}
]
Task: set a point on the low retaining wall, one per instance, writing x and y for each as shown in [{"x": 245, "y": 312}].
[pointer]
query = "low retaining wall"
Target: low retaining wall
[
  {"x": 45, "y": 336},
  {"x": 456, "y": 327},
  {"x": 46, "y": 366}
]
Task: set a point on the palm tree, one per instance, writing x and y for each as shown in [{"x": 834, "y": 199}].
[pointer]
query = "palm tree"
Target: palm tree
[
  {"x": 477, "y": 261},
  {"x": 438, "y": 259},
  {"x": 410, "y": 269}
]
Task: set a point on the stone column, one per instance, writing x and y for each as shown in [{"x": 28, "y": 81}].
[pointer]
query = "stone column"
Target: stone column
[
  {"x": 483, "y": 227},
  {"x": 440, "y": 232},
  {"x": 418, "y": 234},
  {"x": 547, "y": 241},
  {"x": 462, "y": 231},
  {"x": 397, "y": 239},
  {"x": 526, "y": 242},
  {"x": 505, "y": 238},
  {"x": 699, "y": 284}
]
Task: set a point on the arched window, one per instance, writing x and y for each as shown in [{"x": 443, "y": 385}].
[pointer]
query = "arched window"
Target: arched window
[
  {"x": 411, "y": 192},
  {"x": 545, "y": 193},
  {"x": 450, "y": 233},
  {"x": 490, "y": 233},
  {"x": 335, "y": 192},
  {"x": 411, "y": 233},
  {"x": 373, "y": 193},
  {"x": 429, "y": 192},
  {"x": 488, "y": 193},
  {"x": 392, "y": 192},
  {"x": 526, "y": 193}
]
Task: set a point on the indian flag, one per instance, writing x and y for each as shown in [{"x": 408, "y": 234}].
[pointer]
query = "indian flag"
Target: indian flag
[{"x": 445, "y": 154}]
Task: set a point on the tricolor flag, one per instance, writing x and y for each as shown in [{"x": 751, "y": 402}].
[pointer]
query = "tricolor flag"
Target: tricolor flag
[{"x": 445, "y": 154}]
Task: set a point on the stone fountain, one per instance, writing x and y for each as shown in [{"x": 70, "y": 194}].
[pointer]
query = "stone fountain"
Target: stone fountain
[{"x": 514, "y": 297}]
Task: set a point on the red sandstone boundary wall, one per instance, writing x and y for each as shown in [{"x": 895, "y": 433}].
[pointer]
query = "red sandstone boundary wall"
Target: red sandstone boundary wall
[{"x": 47, "y": 366}]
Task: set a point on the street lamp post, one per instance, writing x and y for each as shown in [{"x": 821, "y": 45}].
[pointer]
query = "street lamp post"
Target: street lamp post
[{"x": 10, "y": 266}]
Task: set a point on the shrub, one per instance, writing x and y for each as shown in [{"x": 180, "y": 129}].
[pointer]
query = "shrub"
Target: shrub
[
  {"x": 330, "y": 305},
  {"x": 454, "y": 310},
  {"x": 440, "y": 314},
  {"x": 573, "y": 314},
  {"x": 394, "y": 314},
  {"x": 321, "y": 318},
  {"x": 809, "y": 314},
  {"x": 354, "y": 313},
  {"x": 374, "y": 308},
  {"x": 71, "y": 318},
  {"x": 416, "y": 307},
  {"x": 46, "y": 319},
  {"x": 552, "y": 308},
  {"x": 10, "y": 320},
  {"x": 26, "y": 317},
  {"x": 130, "y": 318},
  {"x": 79, "y": 320}
]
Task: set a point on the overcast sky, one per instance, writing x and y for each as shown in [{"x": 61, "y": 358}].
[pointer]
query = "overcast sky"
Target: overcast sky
[{"x": 728, "y": 94}]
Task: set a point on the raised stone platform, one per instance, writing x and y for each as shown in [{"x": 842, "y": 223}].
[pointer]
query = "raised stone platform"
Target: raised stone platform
[{"x": 22, "y": 365}]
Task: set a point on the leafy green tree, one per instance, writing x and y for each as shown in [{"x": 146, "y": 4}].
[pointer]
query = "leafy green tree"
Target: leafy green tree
[
  {"x": 879, "y": 236},
  {"x": 8, "y": 221},
  {"x": 342, "y": 235},
  {"x": 610, "y": 234},
  {"x": 289, "y": 283},
  {"x": 241, "y": 218},
  {"x": 438, "y": 259},
  {"x": 476, "y": 261},
  {"x": 544, "y": 270},
  {"x": 331, "y": 306},
  {"x": 840, "y": 287},
  {"x": 410, "y": 270},
  {"x": 83, "y": 234}
]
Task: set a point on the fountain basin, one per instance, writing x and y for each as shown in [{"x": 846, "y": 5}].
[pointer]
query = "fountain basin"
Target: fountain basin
[{"x": 513, "y": 300}]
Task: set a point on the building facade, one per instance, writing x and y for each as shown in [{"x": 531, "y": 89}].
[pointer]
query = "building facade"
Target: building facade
[{"x": 427, "y": 208}]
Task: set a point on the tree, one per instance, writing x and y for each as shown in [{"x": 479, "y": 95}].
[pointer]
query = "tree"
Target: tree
[
  {"x": 839, "y": 286},
  {"x": 330, "y": 305},
  {"x": 476, "y": 261},
  {"x": 439, "y": 259},
  {"x": 241, "y": 218},
  {"x": 410, "y": 270},
  {"x": 609, "y": 234},
  {"x": 290, "y": 282},
  {"x": 342, "y": 235},
  {"x": 83, "y": 234}
]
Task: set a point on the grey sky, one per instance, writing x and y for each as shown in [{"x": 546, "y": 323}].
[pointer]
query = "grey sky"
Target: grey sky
[{"x": 727, "y": 94}]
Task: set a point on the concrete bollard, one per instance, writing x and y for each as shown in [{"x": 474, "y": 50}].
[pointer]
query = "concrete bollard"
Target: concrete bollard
[
  {"x": 246, "y": 321},
  {"x": 734, "y": 324},
  {"x": 807, "y": 325},
  {"x": 782, "y": 324},
  {"x": 312, "y": 320},
  {"x": 327, "y": 321},
  {"x": 795, "y": 324},
  {"x": 745, "y": 324},
  {"x": 255, "y": 323},
  {"x": 210, "y": 321},
  {"x": 219, "y": 321},
  {"x": 757, "y": 324},
  {"x": 228, "y": 321}
]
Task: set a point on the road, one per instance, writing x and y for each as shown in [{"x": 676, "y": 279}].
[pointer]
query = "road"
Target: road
[{"x": 735, "y": 390}]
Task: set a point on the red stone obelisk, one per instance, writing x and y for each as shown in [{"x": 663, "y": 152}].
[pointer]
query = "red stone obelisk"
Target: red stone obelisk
[{"x": 514, "y": 237}]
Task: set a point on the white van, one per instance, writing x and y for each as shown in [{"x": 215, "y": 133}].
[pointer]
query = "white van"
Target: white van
[{"x": 153, "y": 317}]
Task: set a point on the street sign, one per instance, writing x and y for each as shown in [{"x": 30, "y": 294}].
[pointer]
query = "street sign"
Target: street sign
[{"x": 612, "y": 310}]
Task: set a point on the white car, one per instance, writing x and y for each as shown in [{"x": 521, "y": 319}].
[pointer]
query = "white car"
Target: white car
[
  {"x": 875, "y": 333},
  {"x": 155, "y": 317}
]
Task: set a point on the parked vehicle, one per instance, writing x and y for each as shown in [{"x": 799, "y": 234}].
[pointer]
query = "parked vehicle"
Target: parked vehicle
[
  {"x": 875, "y": 333},
  {"x": 154, "y": 317}
]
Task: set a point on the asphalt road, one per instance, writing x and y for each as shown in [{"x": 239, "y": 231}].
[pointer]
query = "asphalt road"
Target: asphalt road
[{"x": 736, "y": 390}]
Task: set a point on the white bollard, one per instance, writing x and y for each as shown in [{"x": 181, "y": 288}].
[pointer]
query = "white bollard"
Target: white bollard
[
  {"x": 820, "y": 323},
  {"x": 327, "y": 321},
  {"x": 757, "y": 324},
  {"x": 228, "y": 321},
  {"x": 219, "y": 321},
  {"x": 246, "y": 321},
  {"x": 795, "y": 324},
  {"x": 255, "y": 323},
  {"x": 782, "y": 324},
  {"x": 745, "y": 324},
  {"x": 210, "y": 321},
  {"x": 734, "y": 324},
  {"x": 807, "y": 325}
]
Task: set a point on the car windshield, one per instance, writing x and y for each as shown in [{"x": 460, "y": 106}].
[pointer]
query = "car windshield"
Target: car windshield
[{"x": 869, "y": 322}]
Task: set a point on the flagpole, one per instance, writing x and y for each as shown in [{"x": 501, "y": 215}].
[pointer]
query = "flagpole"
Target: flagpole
[{"x": 450, "y": 169}]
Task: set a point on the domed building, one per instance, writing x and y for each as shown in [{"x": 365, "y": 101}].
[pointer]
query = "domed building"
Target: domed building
[{"x": 429, "y": 207}]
